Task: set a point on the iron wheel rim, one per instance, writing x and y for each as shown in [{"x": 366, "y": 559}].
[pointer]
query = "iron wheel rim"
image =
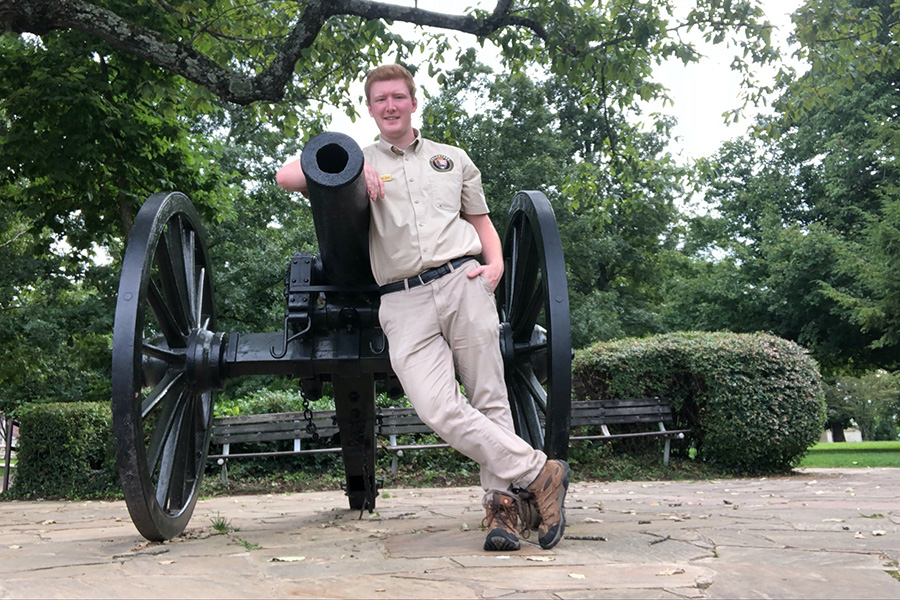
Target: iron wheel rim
[
  {"x": 533, "y": 302},
  {"x": 161, "y": 425}
]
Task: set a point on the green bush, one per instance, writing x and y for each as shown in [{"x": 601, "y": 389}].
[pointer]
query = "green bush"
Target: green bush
[
  {"x": 65, "y": 450},
  {"x": 754, "y": 402},
  {"x": 263, "y": 402}
]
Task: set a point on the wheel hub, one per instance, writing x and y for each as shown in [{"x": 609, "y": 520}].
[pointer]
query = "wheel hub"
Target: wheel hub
[{"x": 205, "y": 360}]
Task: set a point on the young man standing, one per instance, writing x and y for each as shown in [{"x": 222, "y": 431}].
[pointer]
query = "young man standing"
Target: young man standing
[{"x": 429, "y": 221}]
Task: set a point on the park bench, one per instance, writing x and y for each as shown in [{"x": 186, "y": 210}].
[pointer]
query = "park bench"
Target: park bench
[
  {"x": 649, "y": 415},
  {"x": 654, "y": 413},
  {"x": 7, "y": 447}
]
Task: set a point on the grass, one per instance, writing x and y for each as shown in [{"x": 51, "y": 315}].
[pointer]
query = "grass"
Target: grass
[
  {"x": 853, "y": 454},
  {"x": 222, "y": 526}
]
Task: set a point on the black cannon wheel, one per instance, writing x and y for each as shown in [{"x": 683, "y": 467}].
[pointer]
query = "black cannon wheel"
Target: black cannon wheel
[
  {"x": 535, "y": 334},
  {"x": 161, "y": 420}
]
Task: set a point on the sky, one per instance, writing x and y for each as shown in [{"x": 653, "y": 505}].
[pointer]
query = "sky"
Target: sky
[
  {"x": 700, "y": 92},
  {"x": 703, "y": 91}
]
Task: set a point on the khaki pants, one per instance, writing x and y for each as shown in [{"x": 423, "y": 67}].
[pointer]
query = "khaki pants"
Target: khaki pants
[{"x": 452, "y": 322}]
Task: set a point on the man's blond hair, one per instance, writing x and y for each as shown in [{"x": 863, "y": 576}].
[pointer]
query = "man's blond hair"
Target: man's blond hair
[{"x": 389, "y": 73}]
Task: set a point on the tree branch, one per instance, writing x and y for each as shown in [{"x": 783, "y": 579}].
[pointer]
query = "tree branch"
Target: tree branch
[{"x": 43, "y": 16}]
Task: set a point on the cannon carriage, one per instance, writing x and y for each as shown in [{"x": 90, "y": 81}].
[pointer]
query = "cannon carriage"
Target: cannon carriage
[{"x": 169, "y": 357}]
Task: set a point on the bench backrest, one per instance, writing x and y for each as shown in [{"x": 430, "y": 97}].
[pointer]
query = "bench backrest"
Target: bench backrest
[
  {"x": 621, "y": 411},
  {"x": 271, "y": 427}
]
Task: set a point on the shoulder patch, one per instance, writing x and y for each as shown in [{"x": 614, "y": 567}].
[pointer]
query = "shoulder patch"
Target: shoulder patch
[{"x": 441, "y": 163}]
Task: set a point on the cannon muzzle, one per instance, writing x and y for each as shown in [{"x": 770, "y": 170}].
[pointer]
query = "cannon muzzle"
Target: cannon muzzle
[{"x": 333, "y": 166}]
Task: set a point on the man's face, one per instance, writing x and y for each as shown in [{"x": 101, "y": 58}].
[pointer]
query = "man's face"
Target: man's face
[{"x": 392, "y": 107}]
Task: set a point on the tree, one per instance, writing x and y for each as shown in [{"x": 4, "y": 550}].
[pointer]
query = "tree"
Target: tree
[
  {"x": 844, "y": 43},
  {"x": 55, "y": 324},
  {"x": 759, "y": 262},
  {"x": 252, "y": 52},
  {"x": 85, "y": 138},
  {"x": 802, "y": 240},
  {"x": 614, "y": 201},
  {"x": 870, "y": 401}
]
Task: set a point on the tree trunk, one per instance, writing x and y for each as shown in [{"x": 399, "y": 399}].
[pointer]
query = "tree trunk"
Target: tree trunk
[{"x": 837, "y": 433}]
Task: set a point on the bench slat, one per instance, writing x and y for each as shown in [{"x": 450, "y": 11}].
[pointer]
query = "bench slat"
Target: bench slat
[
  {"x": 272, "y": 436},
  {"x": 228, "y": 429},
  {"x": 269, "y": 417}
]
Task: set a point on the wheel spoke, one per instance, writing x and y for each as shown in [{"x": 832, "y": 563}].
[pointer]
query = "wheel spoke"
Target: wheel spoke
[
  {"x": 518, "y": 419},
  {"x": 527, "y": 317},
  {"x": 183, "y": 471},
  {"x": 173, "y": 381},
  {"x": 172, "y": 357},
  {"x": 165, "y": 421},
  {"x": 187, "y": 251},
  {"x": 533, "y": 431},
  {"x": 170, "y": 267},
  {"x": 511, "y": 267},
  {"x": 168, "y": 465},
  {"x": 200, "y": 296},
  {"x": 169, "y": 325},
  {"x": 531, "y": 383},
  {"x": 529, "y": 348},
  {"x": 525, "y": 273}
]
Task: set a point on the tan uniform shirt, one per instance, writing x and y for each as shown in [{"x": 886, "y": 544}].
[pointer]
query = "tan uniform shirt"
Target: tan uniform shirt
[{"x": 417, "y": 225}]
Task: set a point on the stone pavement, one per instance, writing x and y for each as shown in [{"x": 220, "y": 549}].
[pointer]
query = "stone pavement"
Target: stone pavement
[{"x": 815, "y": 534}]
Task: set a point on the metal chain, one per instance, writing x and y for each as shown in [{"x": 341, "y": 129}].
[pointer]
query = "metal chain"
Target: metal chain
[{"x": 308, "y": 415}]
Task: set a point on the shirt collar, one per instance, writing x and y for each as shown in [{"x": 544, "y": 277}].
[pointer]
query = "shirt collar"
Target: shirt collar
[{"x": 389, "y": 148}]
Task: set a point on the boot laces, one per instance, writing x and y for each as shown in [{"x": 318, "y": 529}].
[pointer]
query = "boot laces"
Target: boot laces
[{"x": 507, "y": 513}]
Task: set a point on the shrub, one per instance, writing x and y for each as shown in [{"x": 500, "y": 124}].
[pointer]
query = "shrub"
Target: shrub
[
  {"x": 65, "y": 450},
  {"x": 262, "y": 402},
  {"x": 754, "y": 402}
]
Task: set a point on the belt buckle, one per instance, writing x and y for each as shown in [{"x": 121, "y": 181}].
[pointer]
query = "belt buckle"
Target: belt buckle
[
  {"x": 424, "y": 282},
  {"x": 433, "y": 274}
]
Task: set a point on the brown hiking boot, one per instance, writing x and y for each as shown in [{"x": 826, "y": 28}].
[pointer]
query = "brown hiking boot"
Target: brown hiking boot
[
  {"x": 549, "y": 491},
  {"x": 501, "y": 522}
]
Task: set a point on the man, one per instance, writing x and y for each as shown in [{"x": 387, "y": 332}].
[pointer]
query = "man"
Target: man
[{"x": 429, "y": 220}]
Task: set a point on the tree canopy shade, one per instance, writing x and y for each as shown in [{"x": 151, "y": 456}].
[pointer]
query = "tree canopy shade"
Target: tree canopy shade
[{"x": 301, "y": 50}]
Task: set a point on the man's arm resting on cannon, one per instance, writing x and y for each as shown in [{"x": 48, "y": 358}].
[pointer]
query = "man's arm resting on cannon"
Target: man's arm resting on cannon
[
  {"x": 491, "y": 248},
  {"x": 290, "y": 177}
]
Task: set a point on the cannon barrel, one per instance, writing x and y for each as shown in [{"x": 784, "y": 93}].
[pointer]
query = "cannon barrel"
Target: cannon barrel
[{"x": 333, "y": 166}]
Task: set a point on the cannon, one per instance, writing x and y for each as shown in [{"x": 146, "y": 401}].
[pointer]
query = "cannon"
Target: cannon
[{"x": 169, "y": 358}]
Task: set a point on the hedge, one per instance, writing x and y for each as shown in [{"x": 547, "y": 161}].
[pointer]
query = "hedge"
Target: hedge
[
  {"x": 65, "y": 450},
  {"x": 754, "y": 402}
]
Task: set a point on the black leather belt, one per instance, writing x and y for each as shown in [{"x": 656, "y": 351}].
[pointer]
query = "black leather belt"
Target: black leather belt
[{"x": 424, "y": 277}]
